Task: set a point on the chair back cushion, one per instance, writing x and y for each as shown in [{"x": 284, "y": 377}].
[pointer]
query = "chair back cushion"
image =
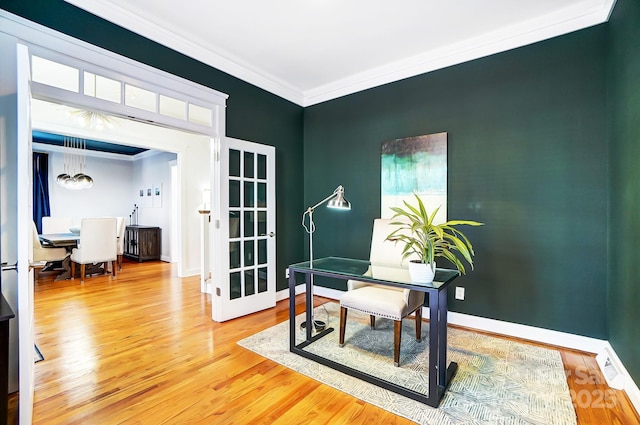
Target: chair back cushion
[
  {"x": 36, "y": 239},
  {"x": 97, "y": 241},
  {"x": 384, "y": 252},
  {"x": 56, "y": 224},
  {"x": 41, "y": 253}
]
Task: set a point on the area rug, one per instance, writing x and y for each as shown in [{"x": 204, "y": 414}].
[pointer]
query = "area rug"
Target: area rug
[{"x": 498, "y": 381}]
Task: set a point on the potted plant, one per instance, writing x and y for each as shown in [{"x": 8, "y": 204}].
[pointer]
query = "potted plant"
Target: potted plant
[{"x": 427, "y": 240}]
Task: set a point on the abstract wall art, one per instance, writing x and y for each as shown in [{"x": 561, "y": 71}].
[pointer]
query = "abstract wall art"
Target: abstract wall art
[{"x": 415, "y": 165}]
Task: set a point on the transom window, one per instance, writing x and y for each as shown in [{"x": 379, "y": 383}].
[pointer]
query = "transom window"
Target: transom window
[{"x": 76, "y": 80}]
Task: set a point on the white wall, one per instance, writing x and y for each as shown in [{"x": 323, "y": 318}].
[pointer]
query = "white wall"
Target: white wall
[
  {"x": 151, "y": 173},
  {"x": 110, "y": 195},
  {"x": 193, "y": 159},
  {"x": 116, "y": 189}
]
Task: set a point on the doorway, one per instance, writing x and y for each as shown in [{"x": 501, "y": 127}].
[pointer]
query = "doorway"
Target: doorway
[
  {"x": 192, "y": 152},
  {"x": 124, "y": 185}
]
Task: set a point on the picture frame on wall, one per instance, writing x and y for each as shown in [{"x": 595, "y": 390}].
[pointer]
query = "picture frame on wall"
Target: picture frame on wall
[
  {"x": 157, "y": 196},
  {"x": 415, "y": 165},
  {"x": 144, "y": 197}
]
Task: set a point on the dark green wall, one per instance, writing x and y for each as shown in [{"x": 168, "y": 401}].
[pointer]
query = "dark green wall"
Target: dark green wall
[
  {"x": 252, "y": 113},
  {"x": 624, "y": 280},
  {"x": 527, "y": 155}
]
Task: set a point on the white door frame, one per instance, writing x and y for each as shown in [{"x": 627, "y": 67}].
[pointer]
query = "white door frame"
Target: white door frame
[
  {"x": 59, "y": 47},
  {"x": 49, "y": 42}
]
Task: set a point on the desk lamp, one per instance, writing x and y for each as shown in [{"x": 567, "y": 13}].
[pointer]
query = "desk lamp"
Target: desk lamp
[{"x": 335, "y": 201}]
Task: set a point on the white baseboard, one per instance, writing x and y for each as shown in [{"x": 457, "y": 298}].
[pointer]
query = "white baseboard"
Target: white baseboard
[
  {"x": 284, "y": 294},
  {"x": 532, "y": 333},
  {"x": 545, "y": 336},
  {"x": 633, "y": 392},
  {"x": 189, "y": 272},
  {"x": 630, "y": 387}
]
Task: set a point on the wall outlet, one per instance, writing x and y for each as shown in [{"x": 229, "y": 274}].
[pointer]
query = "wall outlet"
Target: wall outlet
[
  {"x": 459, "y": 293},
  {"x": 286, "y": 273}
]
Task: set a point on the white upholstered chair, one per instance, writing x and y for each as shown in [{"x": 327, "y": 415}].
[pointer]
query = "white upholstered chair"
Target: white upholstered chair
[
  {"x": 379, "y": 300},
  {"x": 98, "y": 244},
  {"x": 56, "y": 225},
  {"x": 121, "y": 225},
  {"x": 44, "y": 254}
]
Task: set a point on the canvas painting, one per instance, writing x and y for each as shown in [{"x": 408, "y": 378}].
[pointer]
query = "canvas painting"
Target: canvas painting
[
  {"x": 157, "y": 195},
  {"x": 415, "y": 165}
]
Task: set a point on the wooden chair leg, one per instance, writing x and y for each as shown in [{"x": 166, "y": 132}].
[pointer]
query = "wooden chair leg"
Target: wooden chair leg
[
  {"x": 419, "y": 324},
  {"x": 372, "y": 321},
  {"x": 113, "y": 268},
  {"x": 83, "y": 268},
  {"x": 397, "y": 335},
  {"x": 119, "y": 262},
  {"x": 73, "y": 270},
  {"x": 343, "y": 325}
]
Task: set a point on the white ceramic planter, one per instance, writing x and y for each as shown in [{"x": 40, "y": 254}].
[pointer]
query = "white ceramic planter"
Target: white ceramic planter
[{"x": 421, "y": 272}]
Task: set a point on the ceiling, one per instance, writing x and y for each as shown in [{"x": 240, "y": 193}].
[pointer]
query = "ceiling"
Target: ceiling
[
  {"x": 125, "y": 140},
  {"x": 310, "y": 51},
  {"x": 92, "y": 145}
]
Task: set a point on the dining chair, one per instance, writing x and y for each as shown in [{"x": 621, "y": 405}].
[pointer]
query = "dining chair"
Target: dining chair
[
  {"x": 380, "y": 300},
  {"x": 121, "y": 226},
  {"x": 56, "y": 224},
  {"x": 98, "y": 244},
  {"x": 44, "y": 255}
]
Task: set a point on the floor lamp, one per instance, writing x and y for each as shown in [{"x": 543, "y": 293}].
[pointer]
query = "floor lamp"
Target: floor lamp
[{"x": 335, "y": 201}]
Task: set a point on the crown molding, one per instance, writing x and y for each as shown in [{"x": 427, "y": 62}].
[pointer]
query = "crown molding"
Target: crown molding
[
  {"x": 498, "y": 41},
  {"x": 163, "y": 36},
  {"x": 535, "y": 30}
]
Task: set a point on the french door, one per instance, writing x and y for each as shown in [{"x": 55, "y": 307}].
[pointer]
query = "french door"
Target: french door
[
  {"x": 15, "y": 215},
  {"x": 244, "y": 258}
]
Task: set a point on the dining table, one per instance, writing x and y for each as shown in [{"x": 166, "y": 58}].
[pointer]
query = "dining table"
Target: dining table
[
  {"x": 69, "y": 241},
  {"x": 57, "y": 240}
]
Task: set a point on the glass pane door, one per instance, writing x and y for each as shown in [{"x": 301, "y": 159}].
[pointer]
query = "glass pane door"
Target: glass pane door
[{"x": 248, "y": 196}]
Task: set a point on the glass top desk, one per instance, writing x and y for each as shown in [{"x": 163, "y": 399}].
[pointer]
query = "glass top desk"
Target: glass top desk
[{"x": 345, "y": 268}]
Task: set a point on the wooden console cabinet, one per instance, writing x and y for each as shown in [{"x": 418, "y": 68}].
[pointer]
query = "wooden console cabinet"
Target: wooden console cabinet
[{"x": 142, "y": 243}]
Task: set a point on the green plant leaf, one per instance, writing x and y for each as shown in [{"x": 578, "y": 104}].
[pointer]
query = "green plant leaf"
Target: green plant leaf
[{"x": 422, "y": 238}]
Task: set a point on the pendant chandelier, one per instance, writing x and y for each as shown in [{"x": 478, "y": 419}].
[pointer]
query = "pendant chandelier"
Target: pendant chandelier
[
  {"x": 73, "y": 176},
  {"x": 93, "y": 120}
]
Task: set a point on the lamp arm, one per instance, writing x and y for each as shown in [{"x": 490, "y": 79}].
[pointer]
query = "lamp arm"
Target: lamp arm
[
  {"x": 328, "y": 198},
  {"x": 309, "y": 211}
]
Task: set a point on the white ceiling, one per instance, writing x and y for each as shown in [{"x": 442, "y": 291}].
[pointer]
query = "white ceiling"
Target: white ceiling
[{"x": 310, "y": 51}]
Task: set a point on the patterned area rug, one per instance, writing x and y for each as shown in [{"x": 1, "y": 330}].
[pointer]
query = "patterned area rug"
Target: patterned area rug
[{"x": 498, "y": 381}]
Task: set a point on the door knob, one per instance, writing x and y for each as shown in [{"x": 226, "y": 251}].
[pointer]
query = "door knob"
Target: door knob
[{"x": 7, "y": 266}]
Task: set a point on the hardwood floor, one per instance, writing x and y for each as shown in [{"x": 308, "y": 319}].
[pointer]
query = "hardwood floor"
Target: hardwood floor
[{"x": 142, "y": 349}]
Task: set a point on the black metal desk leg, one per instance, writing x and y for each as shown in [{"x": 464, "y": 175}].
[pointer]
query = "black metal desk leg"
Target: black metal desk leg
[
  {"x": 309, "y": 307},
  {"x": 442, "y": 338},
  {"x": 292, "y": 310},
  {"x": 434, "y": 340}
]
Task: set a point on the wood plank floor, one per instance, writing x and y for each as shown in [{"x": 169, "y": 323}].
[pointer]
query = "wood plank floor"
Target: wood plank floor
[{"x": 142, "y": 349}]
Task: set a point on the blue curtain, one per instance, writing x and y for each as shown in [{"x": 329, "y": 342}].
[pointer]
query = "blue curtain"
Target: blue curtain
[{"x": 40, "y": 188}]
